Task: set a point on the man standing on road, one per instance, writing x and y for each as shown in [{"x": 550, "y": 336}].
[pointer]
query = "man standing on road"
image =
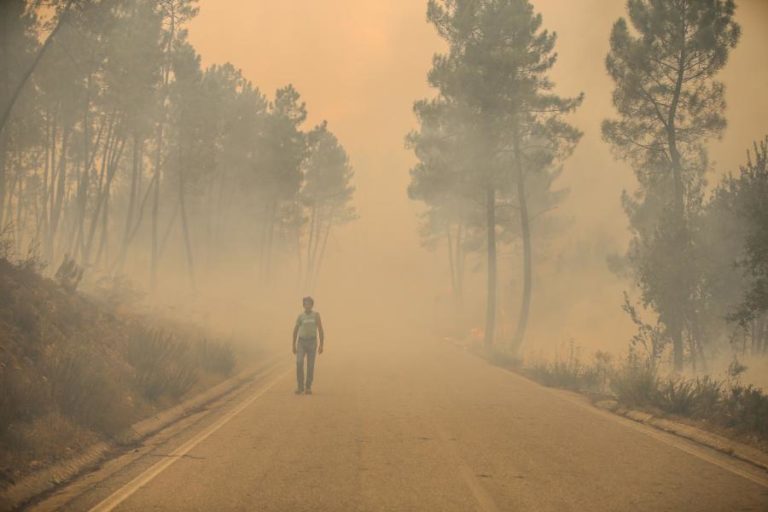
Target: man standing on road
[{"x": 304, "y": 341}]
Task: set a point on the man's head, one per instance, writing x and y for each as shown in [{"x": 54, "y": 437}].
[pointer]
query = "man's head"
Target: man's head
[{"x": 308, "y": 303}]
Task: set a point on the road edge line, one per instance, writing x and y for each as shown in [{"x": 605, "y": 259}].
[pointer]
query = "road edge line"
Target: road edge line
[
  {"x": 39, "y": 484},
  {"x": 127, "y": 490}
]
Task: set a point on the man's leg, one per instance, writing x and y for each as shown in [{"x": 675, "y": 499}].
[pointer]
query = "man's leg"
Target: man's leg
[
  {"x": 311, "y": 353},
  {"x": 300, "y": 353}
]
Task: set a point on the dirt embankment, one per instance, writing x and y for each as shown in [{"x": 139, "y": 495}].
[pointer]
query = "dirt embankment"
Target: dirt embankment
[{"x": 74, "y": 371}]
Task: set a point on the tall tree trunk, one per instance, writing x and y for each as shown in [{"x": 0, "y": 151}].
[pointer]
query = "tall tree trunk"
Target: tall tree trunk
[
  {"x": 85, "y": 173},
  {"x": 135, "y": 227},
  {"x": 3, "y": 179},
  {"x": 455, "y": 256},
  {"x": 490, "y": 313},
  {"x": 269, "y": 234},
  {"x": 676, "y": 314},
  {"x": 7, "y": 211},
  {"x": 58, "y": 193},
  {"x": 300, "y": 278},
  {"x": 20, "y": 214},
  {"x": 5, "y": 89},
  {"x": 321, "y": 257},
  {"x": 185, "y": 231},
  {"x": 51, "y": 190},
  {"x": 103, "y": 252},
  {"x": 525, "y": 229},
  {"x": 451, "y": 262},
  {"x": 132, "y": 198},
  {"x": 312, "y": 239},
  {"x": 103, "y": 197},
  {"x": 42, "y": 219},
  {"x": 155, "y": 254}
]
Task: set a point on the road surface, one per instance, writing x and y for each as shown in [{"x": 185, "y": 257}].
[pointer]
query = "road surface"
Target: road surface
[{"x": 400, "y": 426}]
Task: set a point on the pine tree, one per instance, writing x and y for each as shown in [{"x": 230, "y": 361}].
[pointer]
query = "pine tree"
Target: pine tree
[
  {"x": 494, "y": 78},
  {"x": 669, "y": 105}
]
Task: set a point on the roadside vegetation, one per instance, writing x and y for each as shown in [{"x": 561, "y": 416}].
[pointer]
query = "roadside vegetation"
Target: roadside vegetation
[
  {"x": 124, "y": 162},
  {"x": 494, "y": 140},
  {"x": 73, "y": 371},
  {"x": 724, "y": 404}
]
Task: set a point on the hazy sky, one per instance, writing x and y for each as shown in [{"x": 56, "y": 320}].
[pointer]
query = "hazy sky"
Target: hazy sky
[{"x": 361, "y": 64}]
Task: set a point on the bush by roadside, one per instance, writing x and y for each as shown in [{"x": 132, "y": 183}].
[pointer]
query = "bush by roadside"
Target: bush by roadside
[
  {"x": 73, "y": 371},
  {"x": 721, "y": 404}
]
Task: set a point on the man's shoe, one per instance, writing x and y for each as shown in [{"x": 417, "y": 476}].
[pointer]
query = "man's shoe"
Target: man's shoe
[
  {"x": 308, "y": 391},
  {"x": 299, "y": 391}
]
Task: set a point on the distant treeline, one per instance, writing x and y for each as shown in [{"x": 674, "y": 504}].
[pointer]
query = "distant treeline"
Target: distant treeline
[
  {"x": 493, "y": 141},
  {"x": 119, "y": 151}
]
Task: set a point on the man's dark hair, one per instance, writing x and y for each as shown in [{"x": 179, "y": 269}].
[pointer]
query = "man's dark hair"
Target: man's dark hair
[{"x": 308, "y": 299}]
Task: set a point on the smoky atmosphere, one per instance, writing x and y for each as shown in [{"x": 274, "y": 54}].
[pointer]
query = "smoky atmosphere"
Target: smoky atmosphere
[{"x": 384, "y": 255}]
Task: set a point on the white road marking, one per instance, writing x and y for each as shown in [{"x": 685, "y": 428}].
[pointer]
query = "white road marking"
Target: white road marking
[{"x": 147, "y": 476}]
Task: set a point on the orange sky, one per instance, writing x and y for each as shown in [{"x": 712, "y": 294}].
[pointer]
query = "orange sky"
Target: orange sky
[{"x": 360, "y": 64}]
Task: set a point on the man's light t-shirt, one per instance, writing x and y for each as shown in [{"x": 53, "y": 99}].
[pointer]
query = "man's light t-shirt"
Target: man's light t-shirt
[{"x": 308, "y": 324}]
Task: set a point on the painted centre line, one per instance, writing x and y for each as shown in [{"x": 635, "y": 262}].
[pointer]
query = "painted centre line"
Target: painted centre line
[{"x": 148, "y": 475}]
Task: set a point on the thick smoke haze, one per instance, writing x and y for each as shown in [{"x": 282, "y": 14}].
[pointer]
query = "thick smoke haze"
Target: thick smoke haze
[
  {"x": 521, "y": 265},
  {"x": 360, "y": 65}
]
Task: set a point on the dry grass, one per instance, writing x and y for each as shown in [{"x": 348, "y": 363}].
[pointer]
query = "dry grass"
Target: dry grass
[
  {"x": 724, "y": 403},
  {"x": 73, "y": 370}
]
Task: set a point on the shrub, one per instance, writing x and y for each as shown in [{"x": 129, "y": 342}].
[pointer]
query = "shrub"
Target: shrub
[
  {"x": 163, "y": 364},
  {"x": 745, "y": 409},
  {"x": 708, "y": 393},
  {"x": 82, "y": 387},
  {"x": 726, "y": 403},
  {"x": 635, "y": 385},
  {"x": 570, "y": 373},
  {"x": 215, "y": 357},
  {"x": 558, "y": 374},
  {"x": 21, "y": 398}
]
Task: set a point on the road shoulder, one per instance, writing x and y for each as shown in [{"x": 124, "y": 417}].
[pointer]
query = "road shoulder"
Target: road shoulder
[{"x": 47, "y": 480}]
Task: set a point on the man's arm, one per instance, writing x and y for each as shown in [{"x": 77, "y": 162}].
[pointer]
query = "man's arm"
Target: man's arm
[
  {"x": 321, "y": 332},
  {"x": 293, "y": 338}
]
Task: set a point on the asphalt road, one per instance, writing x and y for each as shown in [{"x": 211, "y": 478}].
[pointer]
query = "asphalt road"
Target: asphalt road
[{"x": 401, "y": 426}]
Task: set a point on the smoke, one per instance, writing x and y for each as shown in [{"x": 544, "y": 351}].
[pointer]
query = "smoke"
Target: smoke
[{"x": 360, "y": 65}]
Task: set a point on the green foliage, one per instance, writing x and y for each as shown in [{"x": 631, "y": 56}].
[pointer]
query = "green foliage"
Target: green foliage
[
  {"x": 326, "y": 194},
  {"x": 164, "y": 366},
  {"x": 745, "y": 408},
  {"x": 699, "y": 398},
  {"x": 167, "y": 366},
  {"x": 747, "y": 193},
  {"x": 663, "y": 74},
  {"x": 494, "y": 136},
  {"x": 82, "y": 388},
  {"x": 122, "y": 130},
  {"x": 73, "y": 371},
  {"x": 636, "y": 384},
  {"x": 663, "y": 63},
  {"x": 725, "y": 403},
  {"x": 572, "y": 373}
]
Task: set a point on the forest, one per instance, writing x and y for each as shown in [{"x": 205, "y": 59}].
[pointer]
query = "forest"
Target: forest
[
  {"x": 496, "y": 136},
  {"x": 163, "y": 220},
  {"x": 121, "y": 155}
]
